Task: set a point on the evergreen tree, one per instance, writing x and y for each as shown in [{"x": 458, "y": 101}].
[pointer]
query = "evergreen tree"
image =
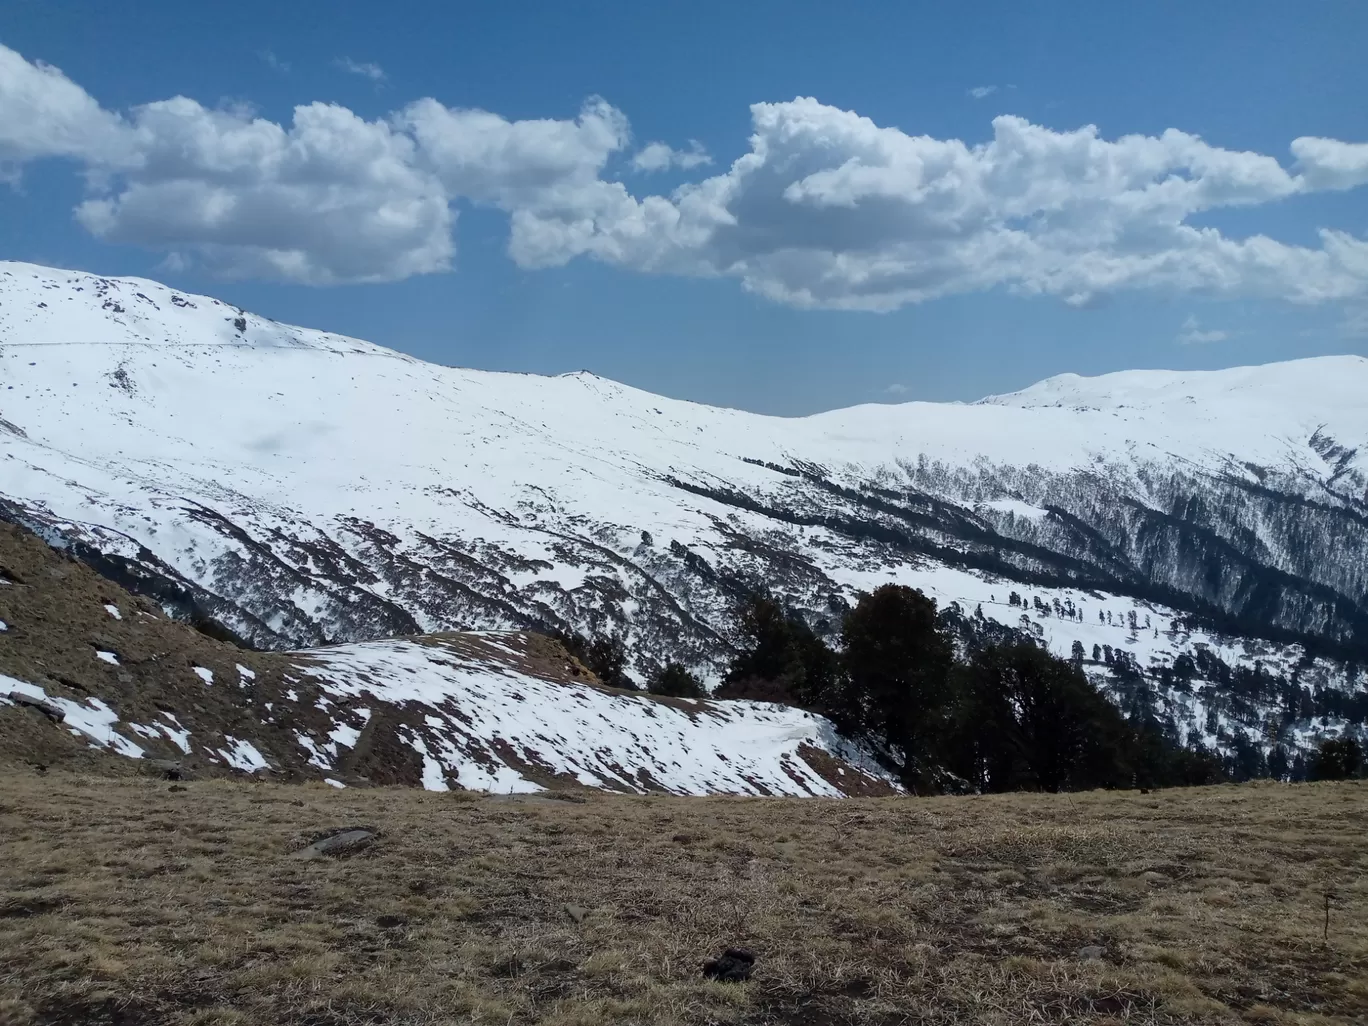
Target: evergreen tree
[
  {"x": 673, "y": 680},
  {"x": 1338, "y": 759},
  {"x": 1026, "y": 719},
  {"x": 606, "y": 657},
  {"x": 897, "y": 660},
  {"x": 1278, "y": 765},
  {"x": 781, "y": 659}
]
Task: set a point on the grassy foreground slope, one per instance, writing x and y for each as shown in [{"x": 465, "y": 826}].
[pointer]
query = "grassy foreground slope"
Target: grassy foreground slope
[{"x": 130, "y": 901}]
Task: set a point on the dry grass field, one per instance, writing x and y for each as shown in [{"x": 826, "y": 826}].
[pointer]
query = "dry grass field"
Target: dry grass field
[{"x": 132, "y": 901}]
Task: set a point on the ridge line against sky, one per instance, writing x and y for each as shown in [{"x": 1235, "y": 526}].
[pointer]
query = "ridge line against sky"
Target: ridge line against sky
[{"x": 783, "y": 207}]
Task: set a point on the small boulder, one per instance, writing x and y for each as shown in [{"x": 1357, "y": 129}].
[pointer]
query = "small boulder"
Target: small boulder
[
  {"x": 344, "y": 842},
  {"x": 48, "y": 709},
  {"x": 1091, "y": 952},
  {"x": 391, "y": 922},
  {"x": 576, "y": 912},
  {"x": 167, "y": 769},
  {"x": 735, "y": 965}
]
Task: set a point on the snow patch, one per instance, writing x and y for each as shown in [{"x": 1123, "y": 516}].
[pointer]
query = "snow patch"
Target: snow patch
[
  {"x": 242, "y": 755},
  {"x": 95, "y": 719}
]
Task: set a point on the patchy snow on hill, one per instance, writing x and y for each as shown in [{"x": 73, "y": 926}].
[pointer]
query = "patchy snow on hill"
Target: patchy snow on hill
[{"x": 487, "y": 726}]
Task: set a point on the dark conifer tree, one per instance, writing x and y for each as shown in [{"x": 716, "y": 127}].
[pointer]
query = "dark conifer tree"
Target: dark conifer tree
[
  {"x": 1338, "y": 759},
  {"x": 897, "y": 660},
  {"x": 781, "y": 659},
  {"x": 673, "y": 680}
]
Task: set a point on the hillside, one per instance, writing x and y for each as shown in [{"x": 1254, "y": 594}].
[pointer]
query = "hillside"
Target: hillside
[
  {"x": 96, "y": 678},
  {"x": 132, "y": 902},
  {"x": 299, "y": 488}
]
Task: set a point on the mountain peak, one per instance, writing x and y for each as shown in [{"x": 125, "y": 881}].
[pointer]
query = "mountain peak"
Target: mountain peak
[{"x": 46, "y": 306}]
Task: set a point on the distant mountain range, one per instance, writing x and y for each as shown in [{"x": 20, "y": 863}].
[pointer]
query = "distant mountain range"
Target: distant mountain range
[{"x": 293, "y": 488}]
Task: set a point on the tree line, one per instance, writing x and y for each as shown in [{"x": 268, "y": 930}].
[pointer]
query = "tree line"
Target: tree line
[{"x": 948, "y": 702}]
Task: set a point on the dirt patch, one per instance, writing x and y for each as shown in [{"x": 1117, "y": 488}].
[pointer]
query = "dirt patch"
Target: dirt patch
[{"x": 842, "y": 776}]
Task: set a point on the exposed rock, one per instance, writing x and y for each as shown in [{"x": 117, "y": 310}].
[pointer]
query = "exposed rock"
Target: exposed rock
[
  {"x": 735, "y": 965},
  {"x": 1091, "y": 952},
  {"x": 48, "y": 709},
  {"x": 167, "y": 769},
  {"x": 344, "y": 842},
  {"x": 576, "y": 912}
]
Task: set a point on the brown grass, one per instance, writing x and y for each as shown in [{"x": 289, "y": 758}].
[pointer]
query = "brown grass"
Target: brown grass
[{"x": 125, "y": 902}]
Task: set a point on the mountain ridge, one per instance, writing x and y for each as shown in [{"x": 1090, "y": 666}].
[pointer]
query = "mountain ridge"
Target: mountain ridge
[{"x": 257, "y": 471}]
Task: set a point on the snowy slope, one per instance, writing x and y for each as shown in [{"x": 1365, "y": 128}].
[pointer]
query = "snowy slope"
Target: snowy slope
[
  {"x": 477, "y": 722},
  {"x": 487, "y": 726},
  {"x": 304, "y": 488}
]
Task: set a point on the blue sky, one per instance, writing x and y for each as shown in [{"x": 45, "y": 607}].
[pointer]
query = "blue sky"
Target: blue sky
[{"x": 852, "y": 261}]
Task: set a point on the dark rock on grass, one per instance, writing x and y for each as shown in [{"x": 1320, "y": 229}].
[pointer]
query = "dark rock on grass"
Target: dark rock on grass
[
  {"x": 343, "y": 842},
  {"x": 734, "y": 966},
  {"x": 48, "y": 709},
  {"x": 391, "y": 922},
  {"x": 167, "y": 769}
]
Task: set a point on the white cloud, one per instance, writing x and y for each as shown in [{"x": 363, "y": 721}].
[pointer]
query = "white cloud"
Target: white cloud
[
  {"x": 45, "y": 114},
  {"x": 829, "y": 209},
  {"x": 363, "y": 68},
  {"x": 515, "y": 164},
  {"x": 332, "y": 198},
  {"x": 982, "y": 92},
  {"x": 1331, "y": 164},
  {"x": 1191, "y": 333},
  {"x": 826, "y": 209},
  {"x": 896, "y": 389},
  {"x": 659, "y": 156}
]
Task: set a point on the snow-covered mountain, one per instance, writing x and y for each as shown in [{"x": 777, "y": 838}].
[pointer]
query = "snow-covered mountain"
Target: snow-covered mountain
[{"x": 302, "y": 488}]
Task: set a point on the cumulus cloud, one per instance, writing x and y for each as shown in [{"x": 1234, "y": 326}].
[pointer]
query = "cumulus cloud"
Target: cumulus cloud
[
  {"x": 363, "y": 68},
  {"x": 825, "y": 209},
  {"x": 1192, "y": 333},
  {"x": 330, "y": 198},
  {"x": 659, "y": 156},
  {"x": 829, "y": 209},
  {"x": 982, "y": 92},
  {"x": 1331, "y": 164},
  {"x": 45, "y": 114},
  {"x": 896, "y": 389}
]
